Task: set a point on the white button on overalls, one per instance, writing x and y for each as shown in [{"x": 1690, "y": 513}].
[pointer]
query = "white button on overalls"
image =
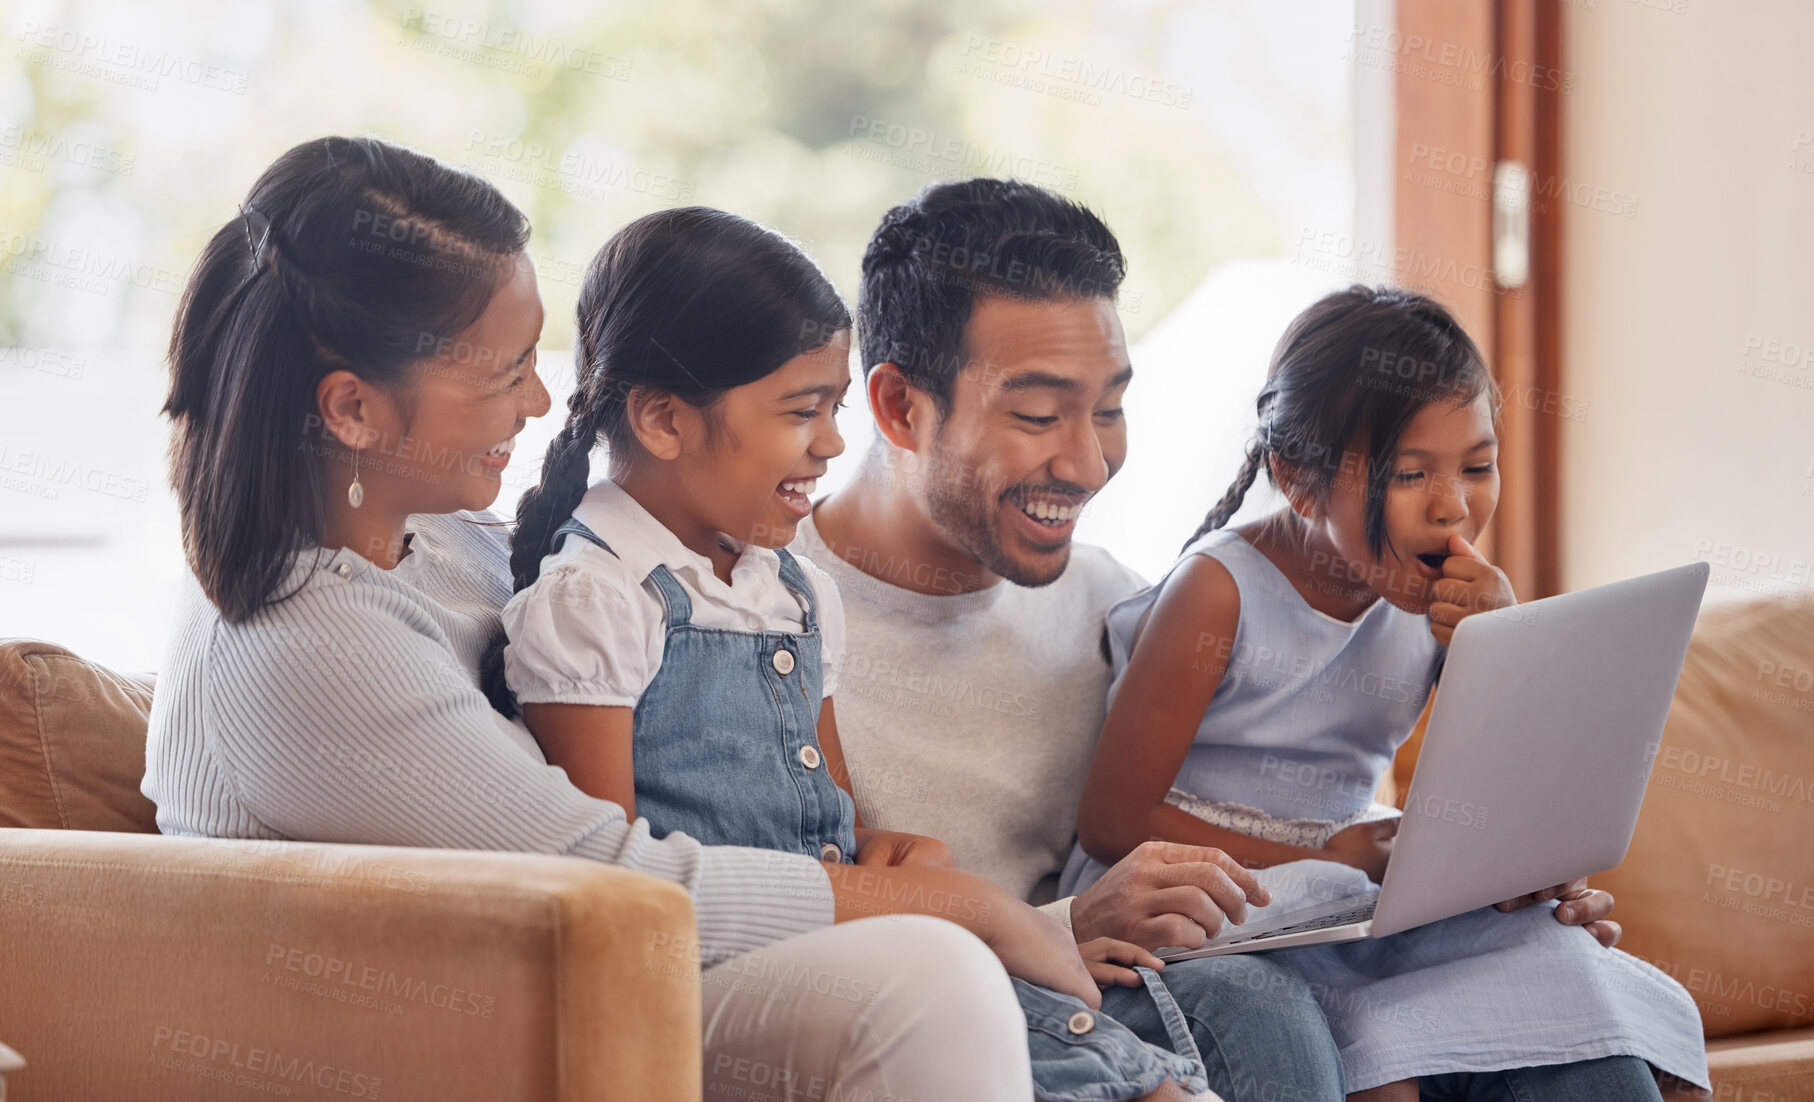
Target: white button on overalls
[
  {"x": 345, "y": 569},
  {"x": 809, "y": 756},
  {"x": 1081, "y": 1022},
  {"x": 784, "y": 662},
  {"x": 830, "y": 852}
]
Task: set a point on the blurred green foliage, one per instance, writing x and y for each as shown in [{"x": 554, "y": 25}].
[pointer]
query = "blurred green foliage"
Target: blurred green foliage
[{"x": 813, "y": 116}]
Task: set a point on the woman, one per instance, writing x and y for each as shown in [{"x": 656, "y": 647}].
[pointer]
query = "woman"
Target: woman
[{"x": 351, "y": 363}]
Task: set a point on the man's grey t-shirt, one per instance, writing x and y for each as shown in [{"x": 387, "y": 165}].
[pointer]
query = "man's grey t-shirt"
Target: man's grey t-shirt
[{"x": 972, "y": 717}]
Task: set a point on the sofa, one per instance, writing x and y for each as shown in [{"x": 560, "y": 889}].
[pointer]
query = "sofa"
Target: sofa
[
  {"x": 143, "y": 967},
  {"x": 139, "y": 967},
  {"x": 1718, "y": 887}
]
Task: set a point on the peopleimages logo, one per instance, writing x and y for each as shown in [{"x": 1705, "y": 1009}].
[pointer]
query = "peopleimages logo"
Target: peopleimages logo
[
  {"x": 1069, "y": 77},
  {"x": 1311, "y": 775},
  {"x": 121, "y": 61},
  {"x": 237, "y": 1062},
  {"x": 571, "y": 171},
  {"x": 1725, "y": 991},
  {"x": 81, "y": 268},
  {"x": 29, "y": 150},
  {"x": 43, "y": 476},
  {"x": 1759, "y": 885},
  {"x": 1742, "y": 567},
  {"x": 509, "y": 49},
  {"x": 1448, "y": 810},
  {"x": 358, "y": 976},
  {"x": 1427, "y": 57},
  {"x": 928, "y": 151}
]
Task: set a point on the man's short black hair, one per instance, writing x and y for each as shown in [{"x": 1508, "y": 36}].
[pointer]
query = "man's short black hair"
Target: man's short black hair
[{"x": 932, "y": 258}]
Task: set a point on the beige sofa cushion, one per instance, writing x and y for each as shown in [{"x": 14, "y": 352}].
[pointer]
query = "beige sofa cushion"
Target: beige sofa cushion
[
  {"x": 1718, "y": 889},
  {"x": 72, "y": 742}
]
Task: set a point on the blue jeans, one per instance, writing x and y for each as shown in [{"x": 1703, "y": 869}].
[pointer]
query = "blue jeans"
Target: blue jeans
[
  {"x": 1261, "y": 1035},
  {"x": 1263, "y": 1038}
]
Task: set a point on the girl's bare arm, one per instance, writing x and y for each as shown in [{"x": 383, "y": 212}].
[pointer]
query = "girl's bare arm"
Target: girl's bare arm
[
  {"x": 833, "y": 749},
  {"x": 1181, "y": 651},
  {"x": 593, "y": 744}
]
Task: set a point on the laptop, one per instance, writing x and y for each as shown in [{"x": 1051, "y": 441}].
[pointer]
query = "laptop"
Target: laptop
[{"x": 1547, "y": 722}]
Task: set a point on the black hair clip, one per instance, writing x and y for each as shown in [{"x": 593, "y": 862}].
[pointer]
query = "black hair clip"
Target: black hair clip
[{"x": 258, "y": 250}]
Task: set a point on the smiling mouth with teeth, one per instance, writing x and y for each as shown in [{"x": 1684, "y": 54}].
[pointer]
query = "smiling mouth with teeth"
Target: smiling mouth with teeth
[
  {"x": 1050, "y": 513},
  {"x": 802, "y": 487},
  {"x": 503, "y": 449}
]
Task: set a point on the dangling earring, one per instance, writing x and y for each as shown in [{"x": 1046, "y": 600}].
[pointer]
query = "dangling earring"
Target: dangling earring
[{"x": 355, "y": 494}]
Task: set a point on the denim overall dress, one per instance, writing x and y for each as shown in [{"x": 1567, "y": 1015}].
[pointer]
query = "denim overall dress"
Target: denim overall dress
[
  {"x": 727, "y": 750},
  {"x": 727, "y": 734}
]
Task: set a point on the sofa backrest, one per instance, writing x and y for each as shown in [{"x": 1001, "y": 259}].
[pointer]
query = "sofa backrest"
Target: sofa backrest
[
  {"x": 1718, "y": 888},
  {"x": 72, "y": 742}
]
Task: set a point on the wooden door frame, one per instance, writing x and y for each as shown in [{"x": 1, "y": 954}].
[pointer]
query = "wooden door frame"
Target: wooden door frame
[{"x": 1478, "y": 82}]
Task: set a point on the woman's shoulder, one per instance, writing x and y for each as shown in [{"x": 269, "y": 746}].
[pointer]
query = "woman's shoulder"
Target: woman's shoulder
[
  {"x": 328, "y": 626},
  {"x": 461, "y": 559},
  {"x": 337, "y": 592},
  {"x": 479, "y": 539}
]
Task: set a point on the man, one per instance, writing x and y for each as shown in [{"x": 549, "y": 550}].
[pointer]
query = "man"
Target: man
[{"x": 973, "y": 688}]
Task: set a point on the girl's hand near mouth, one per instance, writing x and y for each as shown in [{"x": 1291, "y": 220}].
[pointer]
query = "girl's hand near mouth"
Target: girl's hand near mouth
[{"x": 1469, "y": 584}]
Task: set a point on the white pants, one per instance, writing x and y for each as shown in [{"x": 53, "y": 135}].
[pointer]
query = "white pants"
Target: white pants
[{"x": 900, "y": 1008}]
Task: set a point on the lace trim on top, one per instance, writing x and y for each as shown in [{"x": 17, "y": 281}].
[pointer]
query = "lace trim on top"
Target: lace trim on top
[{"x": 1251, "y": 821}]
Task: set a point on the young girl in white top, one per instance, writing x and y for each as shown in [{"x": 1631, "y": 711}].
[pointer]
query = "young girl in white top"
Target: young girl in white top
[
  {"x": 666, "y": 648},
  {"x": 1261, "y": 690}
]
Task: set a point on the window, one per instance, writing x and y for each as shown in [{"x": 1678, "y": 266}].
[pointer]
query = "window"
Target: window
[{"x": 1214, "y": 137}]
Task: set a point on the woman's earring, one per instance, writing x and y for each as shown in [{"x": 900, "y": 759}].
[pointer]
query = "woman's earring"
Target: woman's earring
[{"x": 355, "y": 494}]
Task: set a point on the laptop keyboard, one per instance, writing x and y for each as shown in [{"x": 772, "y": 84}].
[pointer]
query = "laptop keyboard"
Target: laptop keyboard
[{"x": 1322, "y": 922}]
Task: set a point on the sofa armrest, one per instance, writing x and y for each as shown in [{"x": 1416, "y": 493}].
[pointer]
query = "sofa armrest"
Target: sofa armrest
[{"x": 190, "y": 969}]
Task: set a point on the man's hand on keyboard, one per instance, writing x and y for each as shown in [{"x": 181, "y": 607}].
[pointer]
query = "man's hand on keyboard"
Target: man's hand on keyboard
[{"x": 1167, "y": 893}]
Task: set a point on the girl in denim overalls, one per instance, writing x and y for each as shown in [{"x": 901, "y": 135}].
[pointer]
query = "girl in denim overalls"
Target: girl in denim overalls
[{"x": 665, "y": 647}]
